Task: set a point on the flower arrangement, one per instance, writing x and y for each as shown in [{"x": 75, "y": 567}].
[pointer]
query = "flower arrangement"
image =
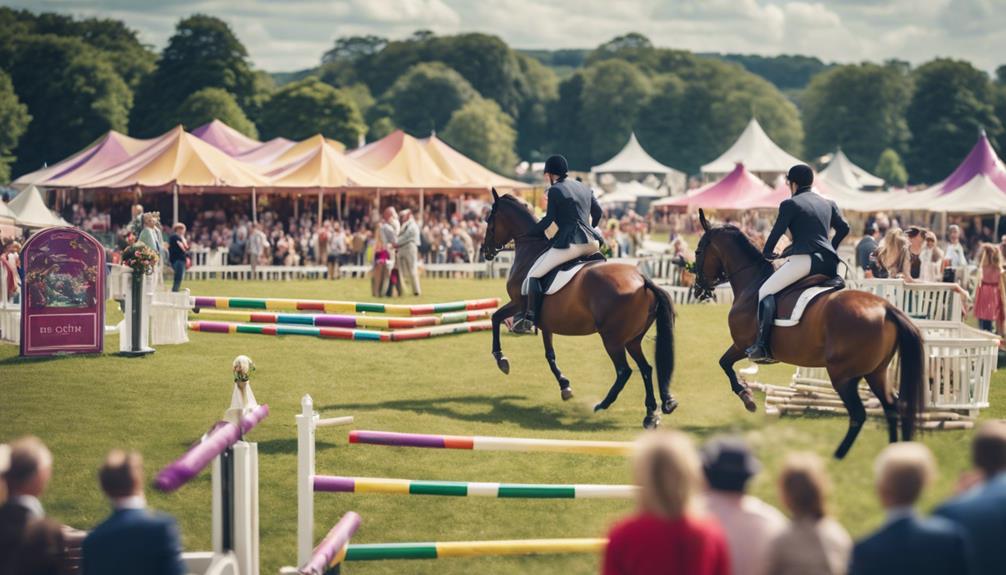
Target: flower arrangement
[{"x": 140, "y": 258}]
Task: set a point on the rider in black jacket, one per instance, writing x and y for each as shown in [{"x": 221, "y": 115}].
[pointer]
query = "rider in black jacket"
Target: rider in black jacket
[{"x": 809, "y": 217}]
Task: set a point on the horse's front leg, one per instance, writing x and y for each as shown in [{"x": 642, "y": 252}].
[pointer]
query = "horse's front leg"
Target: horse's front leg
[
  {"x": 730, "y": 357},
  {"x": 497, "y": 318},
  {"x": 564, "y": 389}
]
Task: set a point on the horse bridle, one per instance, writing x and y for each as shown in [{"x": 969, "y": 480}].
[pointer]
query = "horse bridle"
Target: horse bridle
[
  {"x": 489, "y": 249},
  {"x": 701, "y": 289}
]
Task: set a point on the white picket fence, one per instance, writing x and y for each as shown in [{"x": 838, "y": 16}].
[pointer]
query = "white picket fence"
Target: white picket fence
[{"x": 10, "y": 313}]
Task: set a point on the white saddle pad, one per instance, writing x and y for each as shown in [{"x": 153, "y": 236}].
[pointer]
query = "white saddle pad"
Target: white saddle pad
[
  {"x": 805, "y": 298},
  {"x": 562, "y": 278}
]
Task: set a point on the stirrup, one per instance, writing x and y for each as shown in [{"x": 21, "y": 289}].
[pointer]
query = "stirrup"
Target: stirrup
[
  {"x": 522, "y": 326},
  {"x": 760, "y": 354}
]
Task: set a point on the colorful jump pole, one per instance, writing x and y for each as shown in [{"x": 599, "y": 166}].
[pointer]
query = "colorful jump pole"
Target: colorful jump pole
[
  {"x": 484, "y": 443},
  {"x": 345, "y": 321},
  {"x": 326, "y": 306},
  {"x": 341, "y": 333},
  {"x": 337, "y": 484},
  {"x": 443, "y": 549},
  {"x": 332, "y": 549}
]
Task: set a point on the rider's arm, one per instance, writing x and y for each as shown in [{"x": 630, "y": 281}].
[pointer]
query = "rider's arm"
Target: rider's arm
[
  {"x": 780, "y": 227},
  {"x": 595, "y": 212},
  {"x": 841, "y": 226},
  {"x": 553, "y": 202}
]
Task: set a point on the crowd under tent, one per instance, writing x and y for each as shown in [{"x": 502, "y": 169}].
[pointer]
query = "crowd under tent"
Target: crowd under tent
[
  {"x": 759, "y": 154},
  {"x": 841, "y": 171},
  {"x": 633, "y": 163}
]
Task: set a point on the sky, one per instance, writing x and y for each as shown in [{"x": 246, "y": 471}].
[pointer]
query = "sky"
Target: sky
[{"x": 291, "y": 35}]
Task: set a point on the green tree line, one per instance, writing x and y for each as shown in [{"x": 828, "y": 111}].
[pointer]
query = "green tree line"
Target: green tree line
[{"x": 66, "y": 81}]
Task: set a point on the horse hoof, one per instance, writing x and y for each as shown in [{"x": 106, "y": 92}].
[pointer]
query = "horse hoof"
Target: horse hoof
[
  {"x": 504, "y": 365},
  {"x": 651, "y": 421},
  {"x": 567, "y": 393},
  {"x": 748, "y": 399},
  {"x": 669, "y": 406},
  {"x": 599, "y": 407}
]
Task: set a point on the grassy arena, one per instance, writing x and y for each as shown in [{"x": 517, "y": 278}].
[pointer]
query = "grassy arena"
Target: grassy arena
[{"x": 159, "y": 404}]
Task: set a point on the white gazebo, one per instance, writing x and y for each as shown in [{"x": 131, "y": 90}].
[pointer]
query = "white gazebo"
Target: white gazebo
[
  {"x": 759, "y": 154},
  {"x": 633, "y": 163},
  {"x": 30, "y": 210},
  {"x": 841, "y": 171}
]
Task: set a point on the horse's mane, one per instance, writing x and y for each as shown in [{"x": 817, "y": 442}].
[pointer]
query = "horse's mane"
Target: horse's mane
[
  {"x": 739, "y": 239},
  {"x": 519, "y": 205}
]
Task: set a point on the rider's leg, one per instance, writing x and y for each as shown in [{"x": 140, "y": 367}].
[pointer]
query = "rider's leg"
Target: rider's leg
[
  {"x": 549, "y": 260},
  {"x": 796, "y": 268}
]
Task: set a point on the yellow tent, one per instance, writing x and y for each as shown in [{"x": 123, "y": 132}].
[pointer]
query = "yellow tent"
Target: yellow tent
[
  {"x": 404, "y": 161},
  {"x": 304, "y": 147},
  {"x": 463, "y": 169},
  {"x": 322, "y": 167}
]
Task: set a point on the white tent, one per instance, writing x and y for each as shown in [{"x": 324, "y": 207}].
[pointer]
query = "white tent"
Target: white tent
[
  {"x": 979, "y": 196},
  {"x": 633, "y": 160},
  {"x": 5, "y": 212},
  {"x": 629, "y": 193},
  {"x": 843, "y": 172},
  {"x": 759, "y": 154},
  {"x": 30, "y": 210}
]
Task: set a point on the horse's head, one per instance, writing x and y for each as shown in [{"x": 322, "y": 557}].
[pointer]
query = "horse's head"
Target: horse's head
[
  {"x": 710, "y": 270},
  {"x": 503, "y": 225}
]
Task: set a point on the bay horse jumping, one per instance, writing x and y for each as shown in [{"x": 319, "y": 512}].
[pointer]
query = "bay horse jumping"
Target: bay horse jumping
[
  {"x": 853, "y": 334},
  {"x": 612, "y": 299}
]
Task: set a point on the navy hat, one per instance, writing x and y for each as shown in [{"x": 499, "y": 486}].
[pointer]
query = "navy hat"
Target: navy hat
[
  {"x": 728, "y": 464},
  {"x": 801, "y": 174},
  {"x": 556, "y": 165}
]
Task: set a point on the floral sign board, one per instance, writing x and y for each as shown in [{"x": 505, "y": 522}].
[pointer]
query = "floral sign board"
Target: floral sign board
[{"x": 63, "y": 302}]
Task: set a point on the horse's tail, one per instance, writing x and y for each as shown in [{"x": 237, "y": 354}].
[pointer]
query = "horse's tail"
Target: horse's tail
[
  {"x": 665, "y": 336},
  {"x": 911, "y": 399}
]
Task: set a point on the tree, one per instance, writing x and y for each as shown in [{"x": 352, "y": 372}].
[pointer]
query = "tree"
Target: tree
[
  {"x": 533, "y": 134},
  {"x": 302, "y": 109},
  {"x": 14, "y": 120},
  {"x": 484, "y": 133},
  {"x": 858, "y": 107},
  {"x": 630, "y": 41},
  {"x": 953, "y": 100},
  {"x": 211, "y": 104},
  {"x": 615, "y": 92},
  {"x": 425, "y": 97},
  {"x": 890, "y": 168},
  {"x": 73, "y": 94},
  {"x": 203, "y": 53},
  {"x": 570, "y": 136},
  {"x": 352, "y": 48}
]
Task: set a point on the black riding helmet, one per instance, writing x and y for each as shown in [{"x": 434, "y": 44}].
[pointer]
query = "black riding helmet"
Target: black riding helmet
[{"x": 556, "y": 165}]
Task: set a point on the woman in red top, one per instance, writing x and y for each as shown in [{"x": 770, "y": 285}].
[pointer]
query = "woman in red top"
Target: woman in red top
[{"x": 669, "y": 535}]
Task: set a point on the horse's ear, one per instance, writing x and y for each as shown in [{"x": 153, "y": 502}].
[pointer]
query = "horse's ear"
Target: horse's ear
[
  {"x": 703, "y": 220},
  {"x": 496, "y": 196}
]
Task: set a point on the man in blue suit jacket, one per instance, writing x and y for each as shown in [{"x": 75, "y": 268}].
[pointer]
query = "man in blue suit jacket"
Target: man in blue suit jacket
[
  {"x": 906, "y": 543},
  {"x": 132, "y": 539},
  {"x": 981, "y": 511}
]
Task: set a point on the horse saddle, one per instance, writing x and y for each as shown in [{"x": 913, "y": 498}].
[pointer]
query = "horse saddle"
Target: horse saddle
[
  {"x": 556, "y": 279},
  {"x": 793, "y": 301}
]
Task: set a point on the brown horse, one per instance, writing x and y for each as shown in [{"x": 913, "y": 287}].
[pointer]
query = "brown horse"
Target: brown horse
[
  {"x": 853, "y": 334},
  {"x": 611, "y": 299}
]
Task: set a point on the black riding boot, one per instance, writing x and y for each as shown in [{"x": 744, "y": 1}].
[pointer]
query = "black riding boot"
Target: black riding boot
[
  {"x": 760, "y": 352},
  {"x": 532, "y": 303}
]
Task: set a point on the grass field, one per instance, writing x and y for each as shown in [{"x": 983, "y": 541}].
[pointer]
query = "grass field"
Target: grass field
[{"x": 83, "y": 406}]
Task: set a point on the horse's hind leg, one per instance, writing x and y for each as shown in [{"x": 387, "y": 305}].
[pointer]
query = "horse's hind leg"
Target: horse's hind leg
[
  {"x": 731, "y": 356},
  {"x": 616, "y": 351},
  {"x": 635, "y": 350},
  {"x": 564, "y": 389},
  {"x": 878, "y": 384},
  {"x": 848, "y": 390}
]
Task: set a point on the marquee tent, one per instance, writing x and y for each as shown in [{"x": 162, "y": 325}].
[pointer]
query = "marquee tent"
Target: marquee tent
[
  {"x": 323, "y": 167},
  {"x": 843, "y": 172},
  {"x": 461, "y": 168},
  {"x": 759, "y": 154},
  {"x": 305, "y": 147},
  {"x": 629, "y": 193},
  {"x": 634, "y": 161},
  {"x": 267, "y": 153},
  {"x": 104, "y": 153},
  {"x": 225, "y": 138},
  {"x": 980, "y": 195},
  {"x": 738, "y": 190},
  {"x": 30, "y": 210}
]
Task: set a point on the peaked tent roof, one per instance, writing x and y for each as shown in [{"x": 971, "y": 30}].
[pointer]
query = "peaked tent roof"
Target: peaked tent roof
[
  {"x": 460, "y": 167},
  {"x": 30, "y": 210},
  {"x": 843, "y": 172},
  {"x": 632, "y": 159},
  {"x": 735, "y": 191},
  {"x": 981, "y": 195},
  {"x": 403, "y": 160},
  {"x": 756, "y": 151},
  {"x": 325, "y": 167},
  {"x": 106, "y": 152},
  {"x": 5, "y": 212},
  {"x": 183, "y": 159},
  {"x": 982, "y": 159},
  {"x": 304, "y": 147},
  {"x": 267, "y": 153},
  {"x": 225, "y": 138},
  {"x": 629, "y": 192}
]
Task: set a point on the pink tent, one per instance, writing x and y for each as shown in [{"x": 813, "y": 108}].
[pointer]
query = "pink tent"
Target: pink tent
[
  {"x": 106, "y": 152},
  {"x": 738, "y": 190},
  {"x": 267, "y": 153},
  {"x": 225, "y": 138},
  {"x": 981, "y": 160}
]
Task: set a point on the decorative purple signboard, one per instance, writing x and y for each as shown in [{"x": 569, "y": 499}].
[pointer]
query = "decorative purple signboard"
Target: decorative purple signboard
[{"x": 62, "y": 306}]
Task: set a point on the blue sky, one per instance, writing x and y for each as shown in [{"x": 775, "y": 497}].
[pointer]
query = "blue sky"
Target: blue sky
[{"x": 289, "y": 35}]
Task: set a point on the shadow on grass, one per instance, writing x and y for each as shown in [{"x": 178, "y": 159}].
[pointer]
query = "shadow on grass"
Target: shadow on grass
[
  {"x": 736, "y": 427},
  {"x": 503, "y": 409},
  {"x": 288, "y": 446}
]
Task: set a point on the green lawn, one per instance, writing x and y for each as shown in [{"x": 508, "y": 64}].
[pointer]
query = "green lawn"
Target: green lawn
[{"x": 83, "y": 406}]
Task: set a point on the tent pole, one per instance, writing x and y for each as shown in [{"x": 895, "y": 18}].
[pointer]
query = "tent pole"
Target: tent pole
[
  {"x": 174, "y": 203},
  {"x": 422, "y": 205},
  {"x": 296, "y": 207},
  {"x": 254, "y": 206},
  {"x": 321, "y": 200},
  {"x": 995, "y": 229},
  {"x": 338, "y": 205}
]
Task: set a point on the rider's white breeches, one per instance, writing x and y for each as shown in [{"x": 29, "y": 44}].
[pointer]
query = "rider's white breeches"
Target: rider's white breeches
[
  {"x": 554, "y": 257},
  {"x": 793, "y": 270}
]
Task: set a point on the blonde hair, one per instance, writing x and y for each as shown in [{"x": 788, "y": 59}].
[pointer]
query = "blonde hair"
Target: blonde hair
[
  {"x": 804, "y": 485},
  {"x": 902, "y": 471},
  {"x": 991, "y": 256},
  {"x": 668, "y": 473},
  {"x": 893, "y": 251}
]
